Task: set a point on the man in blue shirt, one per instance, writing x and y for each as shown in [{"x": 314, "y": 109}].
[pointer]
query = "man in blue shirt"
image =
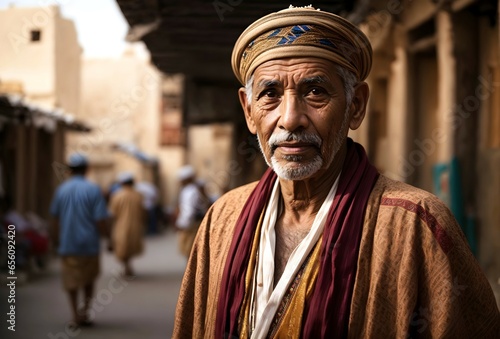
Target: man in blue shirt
[{"x": 80, "y": 214}]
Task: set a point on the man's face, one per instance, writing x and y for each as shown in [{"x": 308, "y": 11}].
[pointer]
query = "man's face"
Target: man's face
[{"x": 299, "y": 114}]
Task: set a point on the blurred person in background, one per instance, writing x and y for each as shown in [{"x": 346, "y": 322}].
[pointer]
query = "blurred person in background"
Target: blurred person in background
[
  {"x": 126, "y": 208},
  {"x": 31, "y": 238},
  {"x": 323, "y": 246},
  {"x": 112, "y": 189},
  {"x": 150, "y": 203},
  {"x": 208, "y": 199},
  {"x": 190, "y": 210},
  {"x": 80, "y": 216}
]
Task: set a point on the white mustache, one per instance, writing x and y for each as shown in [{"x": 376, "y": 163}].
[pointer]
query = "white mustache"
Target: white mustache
[{"x": 284, "y": 136}]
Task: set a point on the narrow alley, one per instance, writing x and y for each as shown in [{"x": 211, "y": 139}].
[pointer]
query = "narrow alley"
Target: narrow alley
[{"x": 140, "y": 308}]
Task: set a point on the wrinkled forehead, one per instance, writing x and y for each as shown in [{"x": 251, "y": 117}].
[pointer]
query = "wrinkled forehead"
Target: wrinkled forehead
[{"x": 297, "y": 70}]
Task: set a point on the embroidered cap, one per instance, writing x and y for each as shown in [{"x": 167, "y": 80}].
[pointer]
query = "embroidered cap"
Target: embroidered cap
[{"x": 302, "y": 32}]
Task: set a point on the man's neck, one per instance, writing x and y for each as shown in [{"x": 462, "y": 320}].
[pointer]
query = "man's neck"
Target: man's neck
[{"x": 301, "y": 202}]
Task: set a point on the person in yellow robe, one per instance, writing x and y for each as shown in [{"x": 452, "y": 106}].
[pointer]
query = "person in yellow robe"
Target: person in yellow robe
[
  {"x": 129, "y": 219},
  {"x": 323, "y": 246}
]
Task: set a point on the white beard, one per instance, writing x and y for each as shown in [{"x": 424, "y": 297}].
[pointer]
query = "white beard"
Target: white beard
[{"x": 303, "y": 171}]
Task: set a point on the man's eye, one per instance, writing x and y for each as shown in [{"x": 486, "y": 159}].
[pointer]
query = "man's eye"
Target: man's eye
[
  {"x": 270, "y": 93},
  {"x": 317, "y": 91}
]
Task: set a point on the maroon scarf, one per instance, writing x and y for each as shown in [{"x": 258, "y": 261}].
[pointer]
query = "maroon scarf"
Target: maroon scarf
[{"x": 327, "y": 312}]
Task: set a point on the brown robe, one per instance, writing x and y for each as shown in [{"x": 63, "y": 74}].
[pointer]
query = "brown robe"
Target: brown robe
[
  {"x": 416, "y": 276},
  {"x": 128, "y": 229}
]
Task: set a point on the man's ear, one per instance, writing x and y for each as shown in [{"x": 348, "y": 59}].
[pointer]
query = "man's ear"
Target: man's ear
[
  {"x": 358, "y": 104},
  {"x": 246, "y": 108}
]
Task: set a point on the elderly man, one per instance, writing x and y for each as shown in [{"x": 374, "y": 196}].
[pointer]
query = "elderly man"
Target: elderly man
[{"x": 323, "y": 246}]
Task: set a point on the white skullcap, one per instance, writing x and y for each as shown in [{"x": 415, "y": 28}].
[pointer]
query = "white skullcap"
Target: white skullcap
[
  {"x": 185, "y": 172},
  {"x": 124, "y": 177},
  {"x": 77, "y": 160}
]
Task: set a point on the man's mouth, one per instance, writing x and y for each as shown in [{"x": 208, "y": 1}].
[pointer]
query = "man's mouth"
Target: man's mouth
[
  {"x": 294, "y": 143},
  {"x": 293, "y": 147}
]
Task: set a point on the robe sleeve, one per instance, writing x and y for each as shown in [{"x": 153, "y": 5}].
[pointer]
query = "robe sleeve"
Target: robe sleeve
[
  {"x": 454, "y": 300},
  {"x": 417, "y": 277},
  {"x": 194, "y": 294}
]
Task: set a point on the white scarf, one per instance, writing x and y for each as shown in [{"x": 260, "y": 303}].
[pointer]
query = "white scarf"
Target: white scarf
[{"x": 264, "y": 300}]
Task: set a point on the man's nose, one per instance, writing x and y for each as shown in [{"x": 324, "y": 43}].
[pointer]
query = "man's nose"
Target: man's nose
[{"x": 292, "y": 113}]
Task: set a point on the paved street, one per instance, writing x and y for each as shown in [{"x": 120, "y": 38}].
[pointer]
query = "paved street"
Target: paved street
[{"x": 141, "y": 308}]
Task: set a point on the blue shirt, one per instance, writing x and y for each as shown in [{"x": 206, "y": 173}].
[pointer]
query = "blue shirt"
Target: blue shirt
[{"x": 78, "y": 204}]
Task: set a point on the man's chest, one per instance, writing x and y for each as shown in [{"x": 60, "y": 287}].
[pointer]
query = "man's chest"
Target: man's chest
[{"x": 287, "y": 239}]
